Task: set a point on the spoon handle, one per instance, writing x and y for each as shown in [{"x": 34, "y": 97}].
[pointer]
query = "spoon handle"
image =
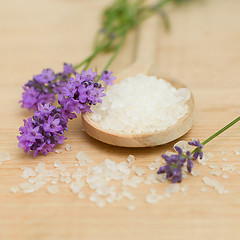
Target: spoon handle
[{"x": 147, "y": 41}]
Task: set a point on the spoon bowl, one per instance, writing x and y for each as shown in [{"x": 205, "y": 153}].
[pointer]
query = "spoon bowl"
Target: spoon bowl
[{"x": 151, "y": 139}]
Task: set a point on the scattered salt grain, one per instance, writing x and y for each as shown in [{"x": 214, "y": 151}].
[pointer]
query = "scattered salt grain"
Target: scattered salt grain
[
  {"x": 41, "y": 167},
  {"x": 206, "y": 158},
  {"x": 4, "y": 156},
  {"x": 28, "y": 172},
  {"x": 195, "y": 172},
  {"x": 83, "y": 158},
  {"x": 131, "y": 207},
  {"x": 213, "y": 165},
  {"x": 139, "y": 171},
  {"x": 183, "y": 145},
  {"x": 225, "y": 176},
  {"x": 53, "y": 189},
  {"x": 68, "y": 147},
  {"x": 225, "y": 159},
  {"x": 14, "y": 189},
  {"x": 215, "y": 184},
  {"x": 58, "y": 151},
  {"x": 237, "y": 151},
  {"x": 122, "y": 108},
  {"x": 173, "y": 188},
  {"x": 131, "y": 160},
  {"x": 215, "y": 172},
  {"x": 81, "y": 195},
  {"x": 224, "y": 152},
  {"x": 228, "y": 168},
  {"x": 203, "y": 189}
]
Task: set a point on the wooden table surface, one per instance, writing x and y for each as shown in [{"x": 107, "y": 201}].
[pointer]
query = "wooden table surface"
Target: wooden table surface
[{"x": 202, "y": 50}]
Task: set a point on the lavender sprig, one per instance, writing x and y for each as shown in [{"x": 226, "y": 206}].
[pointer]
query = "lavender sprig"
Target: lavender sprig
[
  {"x": 46, "y": 128},
  {"x": 43, "y": 87},
  {"x": 175, "y": 163}
]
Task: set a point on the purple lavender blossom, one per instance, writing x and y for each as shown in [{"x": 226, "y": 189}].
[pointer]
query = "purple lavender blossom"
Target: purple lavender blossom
[
  {"x": 174, "y": 163},
  {"x": 107, "y": 78},
  {"x": 79, "y": 93},
  {"x": 43, "y": 87},
  {"x": 43, "y": 131},
  {"x": 198, "y": 151}
]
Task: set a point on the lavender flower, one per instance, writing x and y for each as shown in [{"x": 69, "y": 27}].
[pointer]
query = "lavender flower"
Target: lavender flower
[
  {"x": 198, "y": 150},
  {"x": 79, "y": 93},
  {"x": 175, "y": 163},
  {"x": 107, "y": 78},
  {"x": 43, "y": 87},
  {"x": 43, "y": 131}
]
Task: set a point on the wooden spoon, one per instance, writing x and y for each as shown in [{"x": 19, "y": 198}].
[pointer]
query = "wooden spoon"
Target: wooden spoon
[{"x": 143, "y": 64}]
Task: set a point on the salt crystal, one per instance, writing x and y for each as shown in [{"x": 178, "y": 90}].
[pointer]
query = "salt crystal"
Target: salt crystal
[
  {"x": 76, "y": 186},
  {"x": 27, "y": 187},
  {"x": 225, "y": 159},
  {"x": 110, "y": 164},
  {"x": 213, "y": 165},
  {"x": 195, "y": 172},
  {"x": 131, "y": 160},
  {"x": 40, "y": 167},
  {"x": 224, "y": 152},
  {"x": 122, "y": 108},
  {"x": 183, "y": 145},
  {"x": 14, "y": 189},
  {"x": 4, "y": 156},
  {"x": 153, "y": 166},
  {"x": 151, "y": 178},
  {"x": 131, "y": 207},
  {"x": 123, "y": 167},
  {"x": 173, "y": 188},
  {"x": 225, "y": 176},
  {"x": 139, "y": 171},
  {"x": 28, "y": 172},
  {"x": 184, "y": 188},
  {"x": 150, "y": 198},
  {"x": 228, "y": 168},
  {"x": 206, "y": 158},
  {"x": 237, "y": 151},
  {"x": 68, "y": 147},
  {"x": 214, "y": 183},
  {"x": 215, "y": 172},
  {"x": 59, "y": 165},
  {"x": 58, "y": 151},
  {"x": 83, "y": 158},
  {"x": 81, "y": 195},
  {"x": 53, "y": 189},
  {"x": 203, "y": 189}
]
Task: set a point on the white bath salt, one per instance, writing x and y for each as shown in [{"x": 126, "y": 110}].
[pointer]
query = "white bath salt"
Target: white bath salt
[
  {"x": 131, "y": 207},
  {"x": 228, "y": 168},
  {"x": 225, "y": 159},
  {"x": 14, "y": 189},
  {"x": 206, "y": 158},
  {"x": 216, "y": 172},
  {"x": 215, "y": 184},
  {"x": 204, "y": 189},
  {"x": 129, "y": 195},
  {"x": 183, "y": 145},
  {"x": 195, "y": 172},
  {"x": 81, "y": 195},
  {"x": 111, "y": 164},
  {"x": 123, "y": 167},
  {"x": 161, "y": 177},
  {"x": 58, "y": 151},
  {"x": 213, "y": 165},
  {"x": 53, "y": 189},
  {"x": 131, "y": 160},
  {"x": 153, "y": 166},
  {"x": 4, "y": 156},
  {"x": 184, "y": 188},
  {"x": 151, "y": 178},
  {"x": 237, "y": 151},
  {"x": 83, "y": 158},
  {"x": 122, "y": 108},
  {"x": 139, "y": 171},
  {"x": 133, "y": 182},
  {"x": 27, "y": 187},
  {"x": 68, "y": 147},
  {"x": 28, "y": 172},
  {"x": 41, "y": 167},
  {"x": 76, "y": 186},
  {"x": 173, "y": 188},
  {"x": 59, "y": 165},
  {"x": 225, "y": 176}
]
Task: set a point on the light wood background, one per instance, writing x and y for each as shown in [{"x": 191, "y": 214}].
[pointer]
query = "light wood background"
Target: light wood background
[{"x": 202, "y": 50}]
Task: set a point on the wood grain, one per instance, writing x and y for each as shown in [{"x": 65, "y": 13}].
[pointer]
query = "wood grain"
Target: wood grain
[{"x": 202, "y": 51}]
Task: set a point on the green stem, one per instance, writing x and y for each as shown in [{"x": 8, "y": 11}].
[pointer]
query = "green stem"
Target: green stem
[{"x": 218, "y": 133}]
